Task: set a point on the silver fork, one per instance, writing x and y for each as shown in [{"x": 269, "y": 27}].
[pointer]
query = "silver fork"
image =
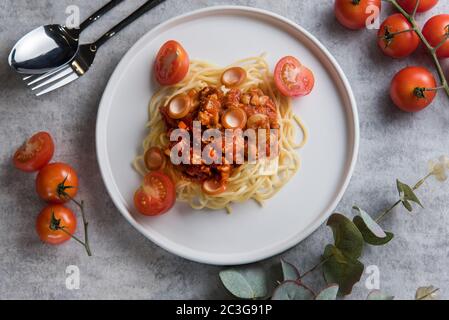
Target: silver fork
[{"x": 83, "y": 59}]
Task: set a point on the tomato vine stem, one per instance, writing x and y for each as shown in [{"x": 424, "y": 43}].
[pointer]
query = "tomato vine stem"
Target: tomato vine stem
[
  {"x": 85, "y": 224},
  {"x": 64, "y": 195},
  {"x": 432, "y": 50}
]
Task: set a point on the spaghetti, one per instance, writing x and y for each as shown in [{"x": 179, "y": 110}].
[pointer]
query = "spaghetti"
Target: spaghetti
[{"x": 246, "y": 181}]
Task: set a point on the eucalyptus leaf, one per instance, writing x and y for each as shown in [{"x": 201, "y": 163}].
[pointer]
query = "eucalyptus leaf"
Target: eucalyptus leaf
[
  {"x": 378, "y": 295},
  {"x": 340, "y": 269},
  {"x": 249, "y": 282},
  {"x": 329, "y": 293},
  {"x": 289, "y": 271},
  {"x": 370, "y": 223},
  {"x": 347, "y": 236},
  {"x": 407, "y": 194},
  {"x": 426, "y": 293},
  {"x": 292, "y": 290},
  {"x": 407, "y": 205},
  {"x": 370, "y": 237}
]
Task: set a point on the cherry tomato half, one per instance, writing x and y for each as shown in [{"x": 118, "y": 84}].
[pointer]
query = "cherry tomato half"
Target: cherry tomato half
[
  {"x": 354, "y": 14},
  {"x": 292, "y": 78},
  {"x": 172, "y": 63},
  {"x": 156, "y": 196},
  {"x": 55, "y": 176},
  {"x": 392, "y": 39},
  {"x": 424, "y": 5},
  {"x": 435, "y": 31},
  {"x": 408, "y": 89},
  {"x": 48, "y": 232},
  {"x": 35, "y": 153}
]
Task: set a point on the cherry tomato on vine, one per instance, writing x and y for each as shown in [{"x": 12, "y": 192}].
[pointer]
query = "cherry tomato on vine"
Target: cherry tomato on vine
[
  {"x": 436, "y": 30},
  {"x": 354, "y": 14},
  {"x": 413, "y": 89},
  {"x": 424, "y": 5},
  {"x": 35, "y": 153},
  {"x": 49, "y": 230},
  {"x": 56, "y": 180},
  {"x": 156, "y": 195},
  {"x": 292, "y": 78},
  {"x": 172, "y": 63},
  {"x": 393, "y": 38}
]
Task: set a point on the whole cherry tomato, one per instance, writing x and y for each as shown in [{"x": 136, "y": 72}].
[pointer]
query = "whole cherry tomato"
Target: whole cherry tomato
[
  {"x": 424, "y": 5},
  {"x": 393, "y": 38},
  {"x": 172, "y": 63},
  {"x": 50, "y": 222},
  {"x": 354, "y": 14},
  {"x": 413, "y": 89},
  {"x": 436, "y": 31},
  {"x": 57, "y": 183}
]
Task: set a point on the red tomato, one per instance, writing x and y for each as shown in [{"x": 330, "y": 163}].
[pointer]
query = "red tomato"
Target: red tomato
[
  {"x": 35, "y": 153},
  {"x": 172, "y": 63},
  {"x": 292, "y": 78},
  {"x": 48, "y": 232},
  {"x": 353, "y": 14},
  {"x": 52, "y": 178},
  {"x": 397, "y": 45},
  {"x": 408, "y": 89},
  {"x": 156, "y": 196},
  {"x": 437, "y": 29},
  {"x": 424, "y": 5}
]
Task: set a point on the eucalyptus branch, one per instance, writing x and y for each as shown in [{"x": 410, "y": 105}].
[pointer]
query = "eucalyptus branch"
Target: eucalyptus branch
[
  {"x": 387, "y": 211},
  {"x": 315, "y": 267},
  {"x": 432, "y": 50},
  {"x": 428, "y": 294},
  {"x": 415, "y": 187}
]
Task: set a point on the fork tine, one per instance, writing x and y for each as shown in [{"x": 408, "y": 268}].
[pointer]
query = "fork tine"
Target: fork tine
[
  {"x": 28, "y": 77},
  {"x": 59, "y": 84},
  {"x": 57, "y": 76},
  {"x": 48, "y": 74}
]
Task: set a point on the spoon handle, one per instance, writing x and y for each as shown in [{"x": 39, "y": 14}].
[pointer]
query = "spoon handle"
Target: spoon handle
[
  {"x": 97, "y": 15},
  {"x": 131, "y": 18}
]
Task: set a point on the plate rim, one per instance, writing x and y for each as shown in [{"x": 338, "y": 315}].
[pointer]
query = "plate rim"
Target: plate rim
[{"x": 208, "y": 257}]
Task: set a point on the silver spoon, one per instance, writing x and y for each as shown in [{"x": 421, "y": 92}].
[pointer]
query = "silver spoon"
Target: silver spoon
[{"x": 51, "y": 46}]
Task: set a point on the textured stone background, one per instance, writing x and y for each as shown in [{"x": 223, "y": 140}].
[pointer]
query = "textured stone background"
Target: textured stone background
[{"x": 127, "y": 265}]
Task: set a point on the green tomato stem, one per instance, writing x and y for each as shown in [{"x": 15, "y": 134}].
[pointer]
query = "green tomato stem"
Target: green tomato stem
[
  {"x": 85, "y": 224},
  {"x": 72, "y": 236},
  {"x": 83, "y": 217},
  {"x": 390, "y": 35}
]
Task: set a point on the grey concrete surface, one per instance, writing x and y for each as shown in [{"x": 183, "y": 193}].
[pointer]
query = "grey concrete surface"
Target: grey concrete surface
[{"x": 126, "y": 264}]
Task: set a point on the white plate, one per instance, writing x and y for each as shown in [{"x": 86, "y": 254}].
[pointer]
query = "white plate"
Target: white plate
[{"x": 223, "y": 35}]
